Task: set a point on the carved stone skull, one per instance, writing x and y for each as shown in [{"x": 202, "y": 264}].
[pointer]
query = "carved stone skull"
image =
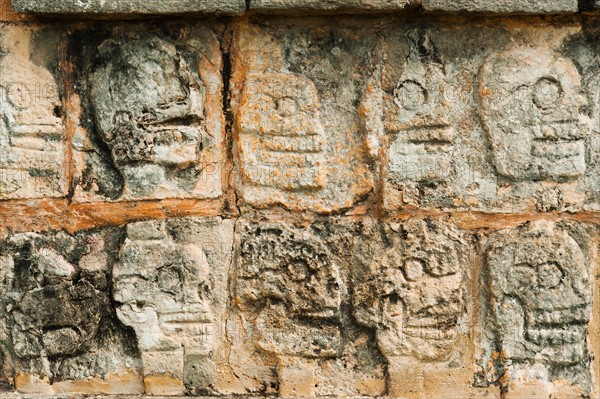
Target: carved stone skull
[
  {"x": 417, "y": 117},
  {"x": 58, "y": 307},
  {"x": 289, "y": 280},
  {"x": 541, "y": 296},
  {"x": 531, "y": 100},
  {"x": 415, "y": 295},
  {"x": 149, "y": 109},
  {"x": 162, "y": 288}
]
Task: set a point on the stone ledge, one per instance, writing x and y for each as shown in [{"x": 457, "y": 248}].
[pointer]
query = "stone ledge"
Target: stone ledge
[
  {"x": 342, "y": 5},
  {"x": 237, "y": 7},
  {"x": 503, "y": 6},
  {"x": 228, "y": 7}
]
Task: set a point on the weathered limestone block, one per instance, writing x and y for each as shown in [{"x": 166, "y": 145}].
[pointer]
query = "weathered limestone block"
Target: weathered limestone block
[
  {"x": 170, "y": 286},
  {"x": 59, "y": 330},
  {"x": 129, "y": 6},
  {"x": 519, "y": 138},
  {"x": 503, "y": 6},
  {"x": 294, "y": 95},
  {"x": 290, "y": 286},
  {"x": 539, "y": 307},
  {"x": 411, "y": 286},
  {"x": 152, "y": 123},
  {"x": 342, "y": 5},
  {"x": 32, "y": 130}
]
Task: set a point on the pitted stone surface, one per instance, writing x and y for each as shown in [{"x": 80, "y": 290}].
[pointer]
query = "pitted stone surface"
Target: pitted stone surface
[
  {"x": 129, "y": 6},
  {"x": 343, "y": 5},
  {"x": 57, "y": 320},
  {"x": 155, "y": 105},
  {"x": 503, "y": 6},
  {"x": 170, "y": 286},
  {"x": 540, "y": 303},
  {"x": 32, "y": 130},
  {"x": 513, "y": 140},
  {"x": 410, "y": 287},
  {"x": 291, "y": 287},
  {"x": 296, "y": 118}
]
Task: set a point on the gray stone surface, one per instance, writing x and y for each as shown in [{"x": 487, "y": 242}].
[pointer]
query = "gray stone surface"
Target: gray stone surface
[
  {"x": 540, "y": 302},
  {"x": 316, "y": 5},
  {"x": 502, "y": 6},
  {"x": 170, "y": 286},
  {"x": 57, "y": 315},
  {"x": 130, "y": 6},
  {"x": 157, "y": 121},
  {"x": 522, "y": 136}
]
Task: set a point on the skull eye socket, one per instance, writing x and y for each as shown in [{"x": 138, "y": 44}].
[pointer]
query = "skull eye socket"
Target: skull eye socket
[
  {"x": 285, "y": 106},
  {"x": 414, "y": 269},
  {"x": 547, "y": 93},
  {"x": 410, "y": 95},
  {"x": 549, "y": 275},
  {"x": 169, "y": 280}
]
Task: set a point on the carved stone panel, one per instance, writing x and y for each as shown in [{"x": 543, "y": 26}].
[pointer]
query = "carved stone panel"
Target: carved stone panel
[
  {"x": 411, "y": 287},
  {"x": 504, "y": 126},
  {"x": 532, "y": 115},
  {"x": 170, "y": 286},
  {"x": 59, "y": 325},
  {"x": 32, "y": 130},
  {"x": 540, "y": 305},
  {"x": 153, "y": 119},
  {"x": 291, "y": 290},
  {"x": 296, "y": 120}
]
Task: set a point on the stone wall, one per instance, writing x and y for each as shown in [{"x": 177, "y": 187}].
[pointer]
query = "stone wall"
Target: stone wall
[{"x": 300, "y": 198}]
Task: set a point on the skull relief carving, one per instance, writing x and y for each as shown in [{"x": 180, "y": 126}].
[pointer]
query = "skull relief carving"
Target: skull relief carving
[
  {"x": 148, "y": 102},
  {"x": 541, "y": 300},
  {"x": 163, "y": 291},
  {"x": 288, "y": 279},
  {"x": 281, "y": 138},
  {"x": 417, "y": 117},
  {"x": 413, "y": 294},
  {"x": 531, "y": 100}
]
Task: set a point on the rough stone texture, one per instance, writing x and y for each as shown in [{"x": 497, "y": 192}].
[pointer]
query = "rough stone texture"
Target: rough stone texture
[
  {"x": 503, "y": 6},
  {"x": 129, "y": 6},
  {"x": 504, "y": 126},
  {"x": 407, "y": 206},
  {"x": 152, "y": 124},
  {"x": 59, "y": 329},
  {"x": 540, "y": 298},
  {"x": 32, "y": 130},
  {"x": 342, "y": 5},
  {"x": 294, "y": 95},
  {"x": 411, "y": 287},
  {"x": 292, "y": 292},
  {"x": 170, "y": 286}
]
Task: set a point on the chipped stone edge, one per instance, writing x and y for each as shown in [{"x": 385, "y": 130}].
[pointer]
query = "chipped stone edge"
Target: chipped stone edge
[
  {"x": 239, "y": 7},
  {"x": 131, "y": 7}
]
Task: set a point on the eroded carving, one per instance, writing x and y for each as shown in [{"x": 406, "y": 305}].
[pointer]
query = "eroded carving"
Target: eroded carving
[
  {"x": 413, "y": 291},
  {"x": 281, "y": 137},
  {"x": 32, "y": 134},
  {"x": 416, "y": 116},
  {"x": 166, "y": 289},
  {"x": 290, "y": 291},
  {"x": 286, "y": 277},
  {"x": 61, "y": 323},
  {"x": 540, "y": 300},
  {"x": 531, "y": 100},
  {"x": 148, "y": 102}
]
